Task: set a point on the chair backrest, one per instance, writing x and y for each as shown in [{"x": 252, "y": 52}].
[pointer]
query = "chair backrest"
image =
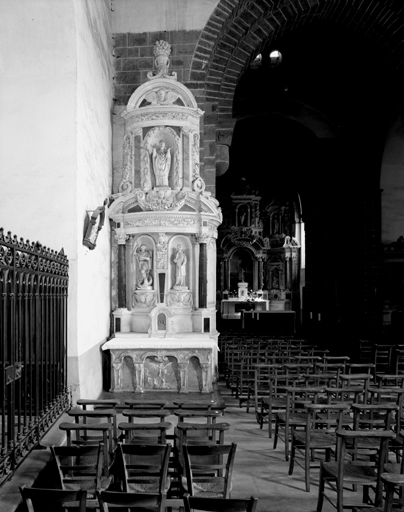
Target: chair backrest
[
  {"x": 373, "y": 417},
  {"x": 138, "y": 502},
  {"x": 325, "y": 417},
  {"x": 145, "y": 433},
  {"x": 213, "y": 463},
  {"x": 348, "y": 394},
  {"x": 146, "y": 404},
  {"x": 353, "y": 437},
  {"x": 79, "y": 432},
  {"x": 78, "y": 466},
  {"x": 141, "y": 467},
  {"x": 219, "y": 504},
  {"x": 52, "y": 500}
]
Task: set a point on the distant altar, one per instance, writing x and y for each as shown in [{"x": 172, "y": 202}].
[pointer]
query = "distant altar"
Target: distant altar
[{"x": 164, "y": 257}]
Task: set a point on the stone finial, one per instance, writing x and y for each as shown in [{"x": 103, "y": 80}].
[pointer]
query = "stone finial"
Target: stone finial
[{"x": 161, "y": 51}]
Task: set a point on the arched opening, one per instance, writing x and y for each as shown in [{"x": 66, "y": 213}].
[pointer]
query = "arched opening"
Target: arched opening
[{"x": 314, "y": 126}]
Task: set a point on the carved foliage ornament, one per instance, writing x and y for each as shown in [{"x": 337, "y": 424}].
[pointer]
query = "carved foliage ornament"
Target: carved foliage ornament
[
  {"x": 126, "y": 184},
  {"x": 161, "y": 51},
  {"x": 162, "y": 221},
  {"x": 179, "y": 299},
  {"x": 162, "y": 251},
  {"x": 144, "y": 300},
  {"x": 161, "y": 200}
]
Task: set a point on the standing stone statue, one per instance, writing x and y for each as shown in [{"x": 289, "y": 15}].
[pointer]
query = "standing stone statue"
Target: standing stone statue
[
  {"x": 161, "y": 164},
  {"x": 180, "y": 261}
]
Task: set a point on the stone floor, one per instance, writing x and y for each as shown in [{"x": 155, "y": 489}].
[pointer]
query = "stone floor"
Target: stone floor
[{"x": 259, "y": 470}]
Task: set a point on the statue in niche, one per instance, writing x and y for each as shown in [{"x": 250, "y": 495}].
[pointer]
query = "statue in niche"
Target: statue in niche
[
  {"x": 144, "y": 268},
  {"x": 161, "y": 164},
  {"x": 180, "y": 261}
]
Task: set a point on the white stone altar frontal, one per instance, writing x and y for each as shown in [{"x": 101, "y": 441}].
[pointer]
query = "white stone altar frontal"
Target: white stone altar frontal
[{"x": 164, "y": 249}]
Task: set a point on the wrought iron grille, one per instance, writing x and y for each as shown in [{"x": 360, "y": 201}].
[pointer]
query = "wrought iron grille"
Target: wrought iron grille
[{"x": 33, "y": 340}]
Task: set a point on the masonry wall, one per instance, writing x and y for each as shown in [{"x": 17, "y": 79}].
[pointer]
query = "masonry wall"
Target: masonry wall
[{"x": 180, "y": 23}]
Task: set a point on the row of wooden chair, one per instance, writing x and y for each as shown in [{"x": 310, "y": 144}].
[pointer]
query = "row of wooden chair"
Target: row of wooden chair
[{"x": 44, "y": 500}]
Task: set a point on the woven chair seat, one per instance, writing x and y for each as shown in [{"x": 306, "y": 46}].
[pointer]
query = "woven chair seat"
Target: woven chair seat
[
  {"x": 209, "y": 489},
  {"x": 360, "y": 475},
  {"x": 151, "y": 487}
]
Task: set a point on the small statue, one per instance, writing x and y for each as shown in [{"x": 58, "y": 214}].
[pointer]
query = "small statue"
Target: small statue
[
  {"x": 180, "y": 261},
  {"x": 161, "y": 164}
]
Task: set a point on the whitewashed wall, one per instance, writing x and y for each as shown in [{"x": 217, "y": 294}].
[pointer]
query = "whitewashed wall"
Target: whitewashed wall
[{"x": 55, "y": 152}]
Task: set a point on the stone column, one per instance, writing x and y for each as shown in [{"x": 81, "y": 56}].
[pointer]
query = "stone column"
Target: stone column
[
  {"x": 139, "y": 369},
  {"x": 183, "y": 377},
  {"x": 287, "y": 265},
  {"x": 203, "y": 272},
  {"x": 121, "y": 238},
  {"x": 260, "y": 273},
  {"x": 205, "y": 377},
  {"x": 255, "y": 284},
  {"x": 116, "y": 375}
]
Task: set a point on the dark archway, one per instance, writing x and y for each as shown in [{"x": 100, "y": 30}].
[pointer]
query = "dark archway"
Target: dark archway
[{"x": 317, "y": 124}]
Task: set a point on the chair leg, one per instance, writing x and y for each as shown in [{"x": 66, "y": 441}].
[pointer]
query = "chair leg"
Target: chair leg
[
  {"x": 276, "y": 433},
  {"x": 292, "y": 457},
  {"x": 321, "y": 483},
  {"x": 307, "y": 457},
  {"x": 340, "y": 495}
]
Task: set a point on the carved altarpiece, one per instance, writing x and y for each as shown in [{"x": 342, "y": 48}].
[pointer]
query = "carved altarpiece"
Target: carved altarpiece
[
  {"x": 165, "y": 233},
  {"x": 271, "y": 238}
]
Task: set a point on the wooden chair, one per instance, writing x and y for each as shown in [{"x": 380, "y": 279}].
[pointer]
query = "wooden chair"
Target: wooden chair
[
  {"x": 276, "y": 399},
  {"x": 74, "y": 436},
  {"x": 208, "y": 470},
  {"x": 392, "y": 483},
  {"x": 94, "y": 416},
  {"x": 130, "y": 501},
  {"x": 144, "y": 433},
  {"x": 318, "y": 435},
  {"x": 147, "y": 413},
  {"x": 196, "y": 433},
  {"x": 80, "y": 467},
  {"x": 338, "y": 475},
  {"x": 107, "y": 403},
  {"x": 294, "y": 414},
  {"x": 53, "y": 500},
  {"x": 141, "y": 468},
  {"x": 146, "y": 404},
  {"x": 193, "y": 503},
  {"x": 262, "y": 373}
]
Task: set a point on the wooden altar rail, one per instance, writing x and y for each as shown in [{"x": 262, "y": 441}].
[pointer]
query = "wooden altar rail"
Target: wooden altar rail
[{"x": 33, "y": 338}]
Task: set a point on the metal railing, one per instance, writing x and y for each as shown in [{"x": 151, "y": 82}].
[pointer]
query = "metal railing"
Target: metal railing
[{"x": 33, "y": 342}]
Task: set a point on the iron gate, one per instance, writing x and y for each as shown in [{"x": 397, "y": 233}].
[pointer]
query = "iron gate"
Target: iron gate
[{"x": 33, "y": 340}]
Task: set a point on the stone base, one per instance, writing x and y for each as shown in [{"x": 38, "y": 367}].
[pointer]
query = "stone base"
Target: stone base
[{"x": 187, "y": 363}]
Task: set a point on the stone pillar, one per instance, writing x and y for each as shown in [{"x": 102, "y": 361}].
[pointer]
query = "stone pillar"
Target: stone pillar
[
  {"x": 205, "y": 377},
  {"x": 116, "y": 375},
  {"x": 288, "y": 269},
  {"x": 255, "y": 284},
  {"x": 203, "y": 274},
  {"x": 260, "y": 274},
  {"x": 183, "y": 377},
  {"x": 121, "y": 238},
  {"x": 139, "y": 369}
]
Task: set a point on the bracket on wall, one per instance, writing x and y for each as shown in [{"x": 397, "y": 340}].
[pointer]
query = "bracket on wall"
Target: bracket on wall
[{"x": 93, "y": 225}]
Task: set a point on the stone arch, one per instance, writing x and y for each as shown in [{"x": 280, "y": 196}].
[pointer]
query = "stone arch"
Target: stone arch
[{"x": 232, "y": 37}]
